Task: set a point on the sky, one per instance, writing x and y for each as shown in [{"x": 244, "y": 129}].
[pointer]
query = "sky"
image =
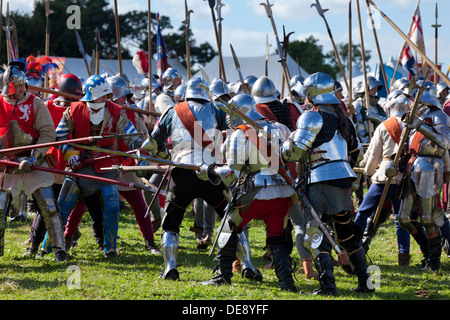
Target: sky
[{"x": 245, "y": 24}]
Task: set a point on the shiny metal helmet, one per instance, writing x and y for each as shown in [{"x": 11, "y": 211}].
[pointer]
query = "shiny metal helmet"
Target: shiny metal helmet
[
  {"x": 372, "y": 82},
  {"x": 70, "y": 83},
  {"x": 299, "y": 89},
  {"x": 429, "y": 86},
  {"x": 179, "y": 92},
  {"x": 319, "y": 89},
  {"x": 171, "y": 79},
  {"x": 429, "y": 99},
  {"x": 264, "y": 90},
  {"x": 96, "y": 86},
  {"x": 14, "y": 75},
  {"x": 398, "y": 103},
  {"x": 35, "y": 81},
  {"x": 218, "y": 88},
  {"x": 246, "y": 104},
  {"x": 440, "y": 87},
  {"x": 401, "y": 84},
  {"x": 197, "y": 88},
  {"x": 358, "y": 89},
  {"x": 119, "y": 87},
  {"x": 250, "y": 81},
  {"x": 295, "y": 79},
  {"x": 234, "y": 88}
]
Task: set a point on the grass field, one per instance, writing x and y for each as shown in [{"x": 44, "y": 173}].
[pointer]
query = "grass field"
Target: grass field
[{"x": 133, "y": 275}]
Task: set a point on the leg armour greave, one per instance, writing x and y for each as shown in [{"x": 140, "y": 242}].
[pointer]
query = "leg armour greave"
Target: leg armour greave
[
  {"x": 169, "y": 248},
  {"x": 45, "y": 200},
  {"x": 243, "y": 253}
]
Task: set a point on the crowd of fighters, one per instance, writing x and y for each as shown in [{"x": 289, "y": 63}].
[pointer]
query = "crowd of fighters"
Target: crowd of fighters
[{"x": 235, "y": 152}]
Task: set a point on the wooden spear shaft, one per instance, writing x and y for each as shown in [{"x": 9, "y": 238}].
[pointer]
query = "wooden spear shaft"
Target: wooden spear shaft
[
  {"x": 412, "y": 44},
  {"x": 366, "y": 86},
  {"x": 383, "y": 71},
  {"x": 119, "y": 53}
]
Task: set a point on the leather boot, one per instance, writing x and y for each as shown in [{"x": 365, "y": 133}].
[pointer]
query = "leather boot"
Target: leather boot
[
  {"x": 358, "y": 260},
  {"x": 435, "y": 250},
  {"x": 283, "y": 267},
  {"x": 324, "y": 266},
  {"x": 421, "y": 238},
  {"x": 372, "y": 229},
  {"x": 226, "y": 256},
  {"x": 403, "y": 259}
]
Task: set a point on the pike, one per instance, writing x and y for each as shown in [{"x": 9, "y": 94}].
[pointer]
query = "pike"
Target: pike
[
  {"x": 97, "y": 52},
  {"x": 7, "y": 28},
  {"x": 404, "y": 137},
  {"x": 238, "y": 68},
  {"x": 158, "y": 190},
  {"x": 75, "y": 97},
  {"x": 350, "y": 56},
  {"x": 366, "y": 85},
  {"x": 267, "y": 56},
  {"x": 187, "y": 22},
  {"x": 119, "y": 53},
  {"x": 285, "y": 49},
  {"x": 81, "y": 176},
  {"x": 48, "y": 12},
  {"x": 219, "y": 19},
  {"x": 336, "y": 53},
  {"x": 137, "y": 156},
  {"x": 219, "y": 47},
  {"x": 267, "y": 6},
  {"x": 412, "y": 45},
  {"x": 436, "y": 26},
  {"x": 383, "y": 71},
  {"x": 90, "y": 139},
  {"x": 82, "y": 51},
  {"x": 152, "y": 169}
]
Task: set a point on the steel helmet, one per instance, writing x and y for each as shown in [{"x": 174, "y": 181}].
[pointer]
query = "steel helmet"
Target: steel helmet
[
  {"x": 246, "y": 104},
  {"x": 441, "y": 86},
  {"x": 119, "y": 87},
  {"x": 295, "y": 79},
  {"x": 264, "y": 90},
  {"x": 70, "y": 83},
  {"x": 218, "y": 88},
  {"x": 397, "y": 103},
  {"x": 178, "y": 94},
  {"x": 197, "y": 88},
  {"x": 96, "y": 87},
  {"x": 319, "y": 89},
  {"x": 171, "y": 79},
  {"x": 14, "y": 75}
]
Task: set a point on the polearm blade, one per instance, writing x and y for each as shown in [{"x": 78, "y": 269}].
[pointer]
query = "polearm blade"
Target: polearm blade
[
  {"x": 219, "y": 48},
  {"x": 82, "y": 51},
  {"x": 187, "y": 22},
  {"x": 266, "y": 73},
  {"x": 436, "y": 26},
  {"x": 336, "y": 53},
  {"x": 412, "y": 44},
  {"x": 82, "y": 176},
  {"x": 267, "y": 6},
  {"x": 238, "y": 68}
]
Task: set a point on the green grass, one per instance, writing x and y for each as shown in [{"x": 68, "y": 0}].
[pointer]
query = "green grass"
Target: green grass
[{"x": 133, "y": 275}]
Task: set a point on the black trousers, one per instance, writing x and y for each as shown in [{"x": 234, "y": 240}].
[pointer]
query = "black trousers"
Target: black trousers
[{"x": 184, "y": 187}]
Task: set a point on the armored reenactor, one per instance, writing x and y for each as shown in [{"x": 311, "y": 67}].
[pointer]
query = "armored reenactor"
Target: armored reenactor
[
  {"x": 261, "y": 187},
  {"x": 427, "y": 170},
  {"x": 26, "y": 120},
  {"x": 324, "y": 140},
  {"x": 195, "y": 129},
  {"x": 94, "y": 115},
  {"x": 170, "y": 80},
  {"x": 382, "y": 148}
]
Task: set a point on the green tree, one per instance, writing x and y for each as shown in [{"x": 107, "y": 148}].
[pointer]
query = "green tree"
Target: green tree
[{"x": 311, "y": 57}]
